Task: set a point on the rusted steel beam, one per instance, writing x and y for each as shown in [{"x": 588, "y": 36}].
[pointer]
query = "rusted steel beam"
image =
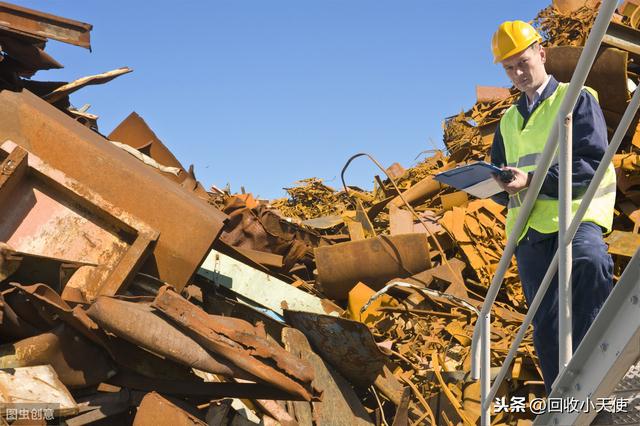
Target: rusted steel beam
[
  {"x": 240, "y": 343},
  {"x": 187, "y": 225},
  {"x": 32, "y": 23},
  {"x": 623, "y": 37}
]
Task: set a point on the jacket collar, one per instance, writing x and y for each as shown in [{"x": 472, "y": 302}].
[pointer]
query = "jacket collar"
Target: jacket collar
[{"x": 548, "y": 91}]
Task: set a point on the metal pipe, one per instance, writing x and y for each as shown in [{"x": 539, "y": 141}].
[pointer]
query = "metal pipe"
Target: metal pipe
[
  {"x": 565, "y": 348},
  {"x": 616, "y": 140}
]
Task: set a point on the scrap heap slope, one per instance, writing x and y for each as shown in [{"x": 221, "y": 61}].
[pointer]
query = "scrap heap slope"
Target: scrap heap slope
[{"x": 130, "y": 294}]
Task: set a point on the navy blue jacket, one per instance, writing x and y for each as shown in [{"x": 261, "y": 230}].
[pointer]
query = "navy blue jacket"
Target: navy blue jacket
[{"x": 589, "y": 143}]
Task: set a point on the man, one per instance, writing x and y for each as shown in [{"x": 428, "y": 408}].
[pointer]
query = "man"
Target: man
[{"x": 518, "y": 142}]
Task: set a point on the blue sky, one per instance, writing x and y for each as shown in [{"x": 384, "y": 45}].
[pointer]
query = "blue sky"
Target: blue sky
[{"x": 260, "y": 93}]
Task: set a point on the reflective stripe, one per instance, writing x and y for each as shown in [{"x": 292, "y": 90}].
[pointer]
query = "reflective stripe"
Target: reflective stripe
[
  {"x": 526, "y": 160},
  {"x": 515, "y": 201}
]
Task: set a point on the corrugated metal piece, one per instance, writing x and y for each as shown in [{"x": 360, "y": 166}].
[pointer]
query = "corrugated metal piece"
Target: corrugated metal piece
[{"x": 239, "y": 342}]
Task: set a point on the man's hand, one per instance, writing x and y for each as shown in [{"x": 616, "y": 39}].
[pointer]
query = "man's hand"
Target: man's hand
[{"x": 519, "y": 182}]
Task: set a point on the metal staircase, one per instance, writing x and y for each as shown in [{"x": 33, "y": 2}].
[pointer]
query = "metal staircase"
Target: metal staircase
[
  {"x": 612, "y": 345},
  {"x": 603, "y": 358}
]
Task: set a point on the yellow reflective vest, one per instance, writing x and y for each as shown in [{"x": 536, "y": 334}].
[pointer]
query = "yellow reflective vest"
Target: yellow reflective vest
[{"x": 523, "y": 147}]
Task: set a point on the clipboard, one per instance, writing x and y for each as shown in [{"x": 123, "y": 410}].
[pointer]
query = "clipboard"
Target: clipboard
[{"x": 475, "y": 179}]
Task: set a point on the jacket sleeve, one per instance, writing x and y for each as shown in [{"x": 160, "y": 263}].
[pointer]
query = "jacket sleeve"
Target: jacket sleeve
[
  {"x": 589, "y": 144},
  {"x": 499, "y": 159}
]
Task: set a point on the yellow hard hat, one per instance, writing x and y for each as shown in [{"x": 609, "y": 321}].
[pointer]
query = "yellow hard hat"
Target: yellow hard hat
[{"x": 512, "y": 37}]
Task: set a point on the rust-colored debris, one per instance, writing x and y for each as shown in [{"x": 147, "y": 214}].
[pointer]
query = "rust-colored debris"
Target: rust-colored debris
[{"x": 210, "y": 310}]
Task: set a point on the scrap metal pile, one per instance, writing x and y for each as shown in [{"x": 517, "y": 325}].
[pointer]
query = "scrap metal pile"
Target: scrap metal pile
[{"x": 327, "y": 308}]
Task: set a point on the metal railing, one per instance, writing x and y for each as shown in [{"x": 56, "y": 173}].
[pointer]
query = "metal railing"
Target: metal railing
[{"x": 561, "y": 129}]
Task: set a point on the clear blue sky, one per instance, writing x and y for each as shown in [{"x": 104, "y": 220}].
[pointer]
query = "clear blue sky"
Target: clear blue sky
[{"x": 263, "y": 93}]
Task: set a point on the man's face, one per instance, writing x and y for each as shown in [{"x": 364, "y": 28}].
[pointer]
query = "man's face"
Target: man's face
[{"x": 526, "y": 69}]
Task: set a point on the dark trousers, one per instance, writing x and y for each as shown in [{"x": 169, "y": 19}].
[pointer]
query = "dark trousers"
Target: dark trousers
[{"x": 591, "y": 279}]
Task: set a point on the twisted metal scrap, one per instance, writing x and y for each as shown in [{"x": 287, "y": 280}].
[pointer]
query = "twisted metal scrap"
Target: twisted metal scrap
[
  {"x": 559, "y": 29},
  {"x": 310, "y": 199}
]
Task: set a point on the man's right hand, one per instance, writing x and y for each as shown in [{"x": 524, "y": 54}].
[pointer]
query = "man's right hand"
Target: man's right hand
[{"x": 519, "y": 182}]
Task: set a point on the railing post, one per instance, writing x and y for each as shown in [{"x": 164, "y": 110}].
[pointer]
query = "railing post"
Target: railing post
[
  {"x": 565, "y": 258},
  {"x": 485, "y": 368}
]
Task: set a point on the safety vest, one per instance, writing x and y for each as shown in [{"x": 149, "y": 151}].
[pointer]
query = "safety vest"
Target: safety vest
[{"x": 524, "y": 146}]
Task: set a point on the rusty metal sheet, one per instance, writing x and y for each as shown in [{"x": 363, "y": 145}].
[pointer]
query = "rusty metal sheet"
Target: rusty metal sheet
[
  {"x": 240, "y": 343},
  {"x": 608, "y": 76},
  {"x": 623, "y": 37},
  {"x": 135, "y": 132},
  {"x": 119, "y": 179},
  {"x": 455, "y": 199},
  {"x": 347, "y": 345},
  {"x": 53, "y": 215},
  {"x": 340, "y": 405},
  {"x": 623, "y": 243},
  {"x": 69, "y": 88},
  {"x": 395, "y": 171},
  {"x": 629, "y": 162},
  {"x": 373, "y": 261},
  {"x": 138, "y": 324},
  {"x": 156, "y": 410},
  {"x": 32, "y": 23},
  {"x": 400, "y": 221}
]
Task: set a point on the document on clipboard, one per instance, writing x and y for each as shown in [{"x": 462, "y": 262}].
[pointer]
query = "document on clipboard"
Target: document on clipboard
[{"x": 475, "y": 179}]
